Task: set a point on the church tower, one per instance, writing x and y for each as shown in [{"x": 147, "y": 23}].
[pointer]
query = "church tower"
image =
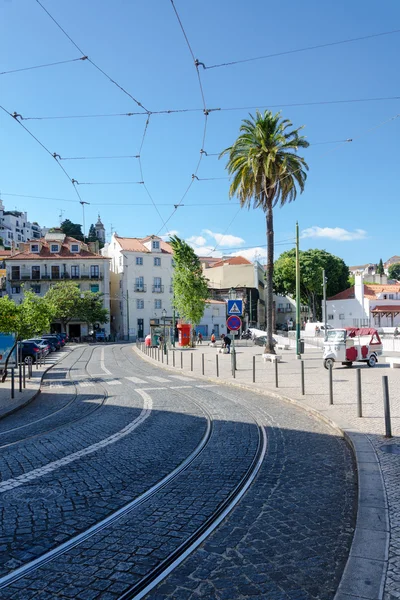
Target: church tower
[{"x": 100, "y": 231}]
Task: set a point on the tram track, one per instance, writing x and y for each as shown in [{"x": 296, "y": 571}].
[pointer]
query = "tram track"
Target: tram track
[{"x": 62, "y": 409}]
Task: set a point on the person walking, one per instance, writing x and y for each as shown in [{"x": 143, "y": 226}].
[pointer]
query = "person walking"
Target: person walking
[
  {"x": 226, "y": 343},
  {"x": 199, "y": 338}
]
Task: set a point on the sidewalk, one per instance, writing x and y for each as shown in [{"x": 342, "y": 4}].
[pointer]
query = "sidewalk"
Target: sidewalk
[
  {"x": 373, "y": 568},
  {"x": 32, "y": 389}
]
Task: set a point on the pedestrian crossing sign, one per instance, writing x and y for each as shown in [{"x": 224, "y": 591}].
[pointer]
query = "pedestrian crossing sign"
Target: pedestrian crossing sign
[{"x": 235, "y": 307}]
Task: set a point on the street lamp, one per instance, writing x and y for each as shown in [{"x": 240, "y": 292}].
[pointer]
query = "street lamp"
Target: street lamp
[{"x": 164, "y": 314}]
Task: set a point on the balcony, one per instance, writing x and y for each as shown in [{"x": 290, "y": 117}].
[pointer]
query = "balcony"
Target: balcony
[
  {"x": 65, "y": 275},
  {"x": 171, "y": 289},
  {"x": 289, "y": 309},
  {"x": 158, "y": 289},
  {"x": 139, "y": 288}
]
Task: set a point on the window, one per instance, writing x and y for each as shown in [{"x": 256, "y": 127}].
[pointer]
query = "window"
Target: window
[
  {"x": 341, "y": 316},
  {"x": 172, "y": 263},
  {"x": 157, "y": 262},
  {"x": 139, "y": 284},
  {"x": 16, "y": 289},
  {"x": 55, "y": 272},
  {"x": 75, "y": 272},
  {"x": 157, "y": 287},
  {"x": 156, "y": 245},
  {"x": 139, "y": 260},
  {"x": 391, "y": 296},
  {"x": 330, "y": 317},
  {"x": 74, "y": 247},
  {"x": 54, "y": 247},
  {"x": 157, "y": 304},
  {"x": 35, "y": 289},
  {"x": 94, "y": 271},
  {"x": 120, "y": 284},
  {"x": 15, "y": 273},
  {"x": 120, "y": 261},
  {"x": 139, "y": 304},
  {"x": 94, "y": 288},
  {"x": 35, "y": 272}
]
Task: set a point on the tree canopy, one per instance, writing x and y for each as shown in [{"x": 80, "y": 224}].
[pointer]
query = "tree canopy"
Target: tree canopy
[
  {"x": 91, "y": 310},
  {"x": 312, "y": 263},
  {"x": 64, "y": 298},
  {"x": 189, "y": 284},
  {"x": 31, "y": 317},
  {"x": 266, "y": 170},
  {"x": 394, "y": 271},
  {"x": 72, "y": 229},
  {"x": 380, "y": 269}
]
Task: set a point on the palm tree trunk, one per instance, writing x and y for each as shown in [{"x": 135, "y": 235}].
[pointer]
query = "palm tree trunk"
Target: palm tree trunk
[{"x": 269, "y": 347}]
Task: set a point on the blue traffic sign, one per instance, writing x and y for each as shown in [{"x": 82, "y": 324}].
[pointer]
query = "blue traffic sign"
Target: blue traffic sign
[
  {"x": 235, "y": 307},
  {"x": 234, "y": 323}
]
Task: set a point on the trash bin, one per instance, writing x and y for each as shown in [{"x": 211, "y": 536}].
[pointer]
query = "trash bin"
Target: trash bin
[{"x": 301, "y": 348}]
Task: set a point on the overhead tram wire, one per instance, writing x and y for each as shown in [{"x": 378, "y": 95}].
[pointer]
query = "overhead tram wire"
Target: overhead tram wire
[
  {"x": 210, "y": 110},
  {"x": 15, "y": 116},
  {"x": 305, "y": 49},
  {"x": 89, "y": 59},
  {"x": 97, "y": 157},
  {"x": 206, "y": 112},
  {"x": 60, "y": 62}
]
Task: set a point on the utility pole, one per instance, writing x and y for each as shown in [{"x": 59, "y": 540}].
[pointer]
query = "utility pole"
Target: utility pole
[
  {"x": 298, "y": 355},
  {"x": 324, "y": 280}
]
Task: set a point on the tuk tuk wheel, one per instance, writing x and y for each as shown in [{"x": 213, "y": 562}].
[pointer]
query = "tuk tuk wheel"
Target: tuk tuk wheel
[
  {"x": 371, "y": 362},
  {"x": 348, "y": 363},
  {"x": 328, "y": 363}
]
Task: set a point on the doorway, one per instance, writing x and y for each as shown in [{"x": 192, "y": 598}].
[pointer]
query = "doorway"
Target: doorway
[
  {"x": 140, "y": 328},
  {"x": 75, "y": 330}
]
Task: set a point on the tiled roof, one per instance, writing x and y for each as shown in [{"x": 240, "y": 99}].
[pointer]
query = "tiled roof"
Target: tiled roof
[
  {"x": 5, "y": 253},
  {"x": 64, "y": 254},
  {"x": 137, "y": 244},
  {"x": 386, "y": 308},
  {"x": 371, "y": 290},
  {"x": 234, "y": 260}
]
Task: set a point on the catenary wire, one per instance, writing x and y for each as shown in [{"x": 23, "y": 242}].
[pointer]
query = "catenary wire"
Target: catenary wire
[
  {"x": 210, "y": 110},
  {"x": 60, "y": 62},
  {"x": 89, "y": 59},
  {"x": 97, "y": 157},
  {"x": 305, "y": 49}
]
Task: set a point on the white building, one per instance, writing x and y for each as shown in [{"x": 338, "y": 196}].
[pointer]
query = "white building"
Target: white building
[
  {"x": 45, "y": 261},
  {"x": 285, "y": 311},
  {"x": 365, "y": 305},
  {"x": 141, "y": 284},
  {"x": 15, "y": 227},
  {"x": 214, "y": 319}
]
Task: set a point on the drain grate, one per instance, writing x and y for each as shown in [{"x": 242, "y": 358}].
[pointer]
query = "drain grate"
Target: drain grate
[{"x": 390, "y": 448}]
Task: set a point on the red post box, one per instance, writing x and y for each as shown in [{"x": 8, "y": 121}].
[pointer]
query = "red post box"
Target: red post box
[{"x": 184, "y": 334}]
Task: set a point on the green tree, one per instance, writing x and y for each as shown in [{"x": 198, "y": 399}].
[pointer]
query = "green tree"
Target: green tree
[
  {"x": 267, "y": 171},
  {"x": 29, "y": 318},
  {"x": 92, "y": 237},
  {"x": 72, "y": 229},
  {"x": 380, "y": 269},
  {"x": 91, "y": 310},
  {"x": 64, "y": 298},
  {"x": 312, "y": 263},
  {"x": 189, "y": 284},
  {"x": 394, "y": 271}
]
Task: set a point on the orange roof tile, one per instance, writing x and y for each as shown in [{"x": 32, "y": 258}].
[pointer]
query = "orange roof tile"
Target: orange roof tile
[
  {"x": 371, "y": 290},
  {"x": 386, "y": 308},
  {"x": 64, "y": 254},
  {"x": 234, "y": 260},
  {"x": 137, "y": 244}
]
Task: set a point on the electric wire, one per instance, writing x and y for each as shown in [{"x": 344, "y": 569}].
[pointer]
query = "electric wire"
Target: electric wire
[
  {"x": 108, "y": 182},
  {"x": 305, "y": 49},
  {"x": 89, "y": 59},
  {"x": 97, "y": 157},
  {"x": 60, "y": 62}
]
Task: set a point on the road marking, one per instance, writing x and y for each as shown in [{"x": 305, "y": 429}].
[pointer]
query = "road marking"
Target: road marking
[
  {"x": 179, "y": 387},
  {"x": 155, "y": 378},
  {"x": 181, "y": 378},
  {"x": 135, "y": 380},
  {"x": 85, "y": 383},
  {"x": 102, "y": 365},
  {"x": 112, "y": 382},
  {"x": 152, "y": 389},
  {"x": 10, "y": 484},
  {"x": 205, "y": 385}
]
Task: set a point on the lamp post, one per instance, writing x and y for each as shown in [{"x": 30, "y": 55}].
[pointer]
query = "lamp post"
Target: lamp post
[
  {"x": 164, "y": 314},
  {"x": 232, "y": 296}
]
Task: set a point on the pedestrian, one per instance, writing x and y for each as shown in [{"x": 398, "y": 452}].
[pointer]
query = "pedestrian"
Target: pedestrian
[
  {"x": 199, "y": 338},
  {"x": 212, "y": 340},
  {"x": 160, "y": 341},
  {"x": 317, "y": 330},
  {"x": 396, "y": 332},
  {"x": 226, "y": 343}
]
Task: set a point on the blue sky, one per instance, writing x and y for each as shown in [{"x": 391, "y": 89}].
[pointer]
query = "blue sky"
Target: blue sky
[{"x": 349, "y": 204}]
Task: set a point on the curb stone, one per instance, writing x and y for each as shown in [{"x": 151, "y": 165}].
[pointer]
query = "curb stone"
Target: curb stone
[{"x": 365, "y": 572}]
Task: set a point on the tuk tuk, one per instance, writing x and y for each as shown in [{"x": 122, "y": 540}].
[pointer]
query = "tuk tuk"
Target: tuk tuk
[{"x": 352, "y": 344}]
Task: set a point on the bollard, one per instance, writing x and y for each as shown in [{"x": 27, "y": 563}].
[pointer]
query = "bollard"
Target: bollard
[
  {"x": 24, "y": 375},
  {"x": 191, "y": 361},
  {"x": 233, "y": 371},
  {"x": 276, "y": 373},
  {"x": 12, "y": 383},
  {"x": 359, "y": 396},
  {"x": 330, "y": 385},
  {"x": 173, "y": 359},
  {"x": 162, "y": 357},
  {"x": 181, "y": 360},
  {"x": 20, "y": 376},
  {"x": 37, "y": 366},
  {"x": 202, "y": 364},
  {"x": 216, "y": 364},
  {"x": 254, "y": 369},
  {"x": 166, "y": 354},
  {"x": 302, "y": 378},
  {"x": 386, "y": 406}
]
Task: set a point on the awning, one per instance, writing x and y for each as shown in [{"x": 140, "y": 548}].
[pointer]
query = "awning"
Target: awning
[{"x": 386, "y": 310}]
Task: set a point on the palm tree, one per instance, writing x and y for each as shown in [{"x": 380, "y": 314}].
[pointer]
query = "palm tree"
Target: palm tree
[{"x": 266, "y": 170}]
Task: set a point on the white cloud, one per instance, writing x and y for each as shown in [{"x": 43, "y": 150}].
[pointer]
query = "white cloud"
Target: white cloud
[
  {"x": 334, "y": 233},
  {"x": 257, "y": 253},
  {"x": 167, "y": 235},
  {"x": 196, "y": 240},
  {"x": 227, "y": 241}
]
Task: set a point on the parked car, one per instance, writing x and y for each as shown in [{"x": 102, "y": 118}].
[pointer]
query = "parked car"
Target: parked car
[
  {"x": 64, "y": 336},
  {"x": 31, "y": 352},
  {"x": 282, "y": 327},
  {"x": 53, "y": 339},
  {"x": 43, "y": 344}
]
